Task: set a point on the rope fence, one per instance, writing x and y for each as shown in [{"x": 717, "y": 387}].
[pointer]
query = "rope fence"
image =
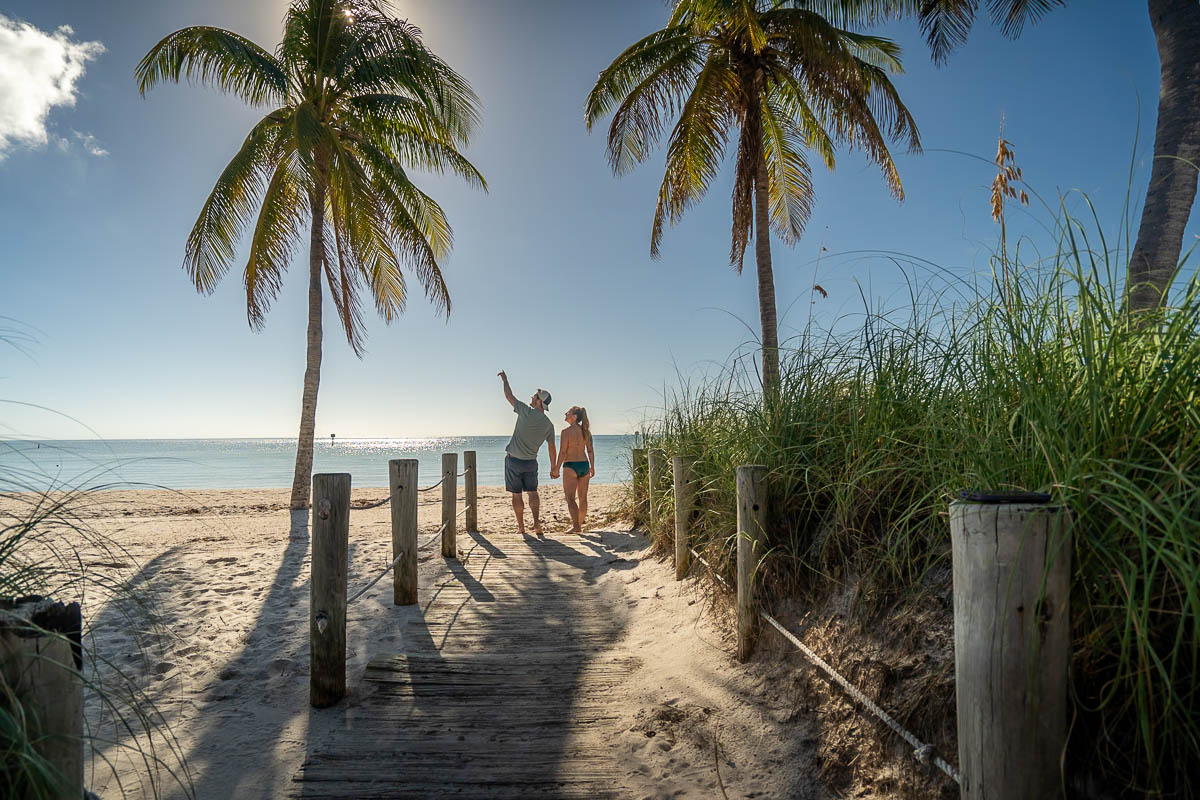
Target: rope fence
[
  {"x": 922, "y": 752},
  {"x": 1011, "y": 695},
  {"x": 331, "y": 510},
  {"x": 396, "y": 560}
]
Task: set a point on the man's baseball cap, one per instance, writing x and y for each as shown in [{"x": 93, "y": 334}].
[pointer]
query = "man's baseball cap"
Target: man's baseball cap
[{"x": 544, "y": 396}]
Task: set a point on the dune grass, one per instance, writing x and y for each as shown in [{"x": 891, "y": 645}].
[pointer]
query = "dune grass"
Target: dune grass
[
  {"x": 1043, "y": 384},
  {"x": 48, "y": 549}
]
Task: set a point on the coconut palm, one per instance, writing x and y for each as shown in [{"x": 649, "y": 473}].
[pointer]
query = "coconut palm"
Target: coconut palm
[
  {"x": 1171, "y": 193},
  {"x": 786, "y": 82},
  {"x": 355, "y": 100}
]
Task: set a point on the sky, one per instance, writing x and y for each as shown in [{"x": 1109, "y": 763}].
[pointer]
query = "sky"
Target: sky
[{"x": 551, "y": 276}]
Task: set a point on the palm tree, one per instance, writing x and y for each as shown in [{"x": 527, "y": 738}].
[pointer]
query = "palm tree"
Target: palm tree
[
  {"x": 1154, "y": 261},
  {"x": 355, "y": 100},
  {"x": 788, "y": 82}
]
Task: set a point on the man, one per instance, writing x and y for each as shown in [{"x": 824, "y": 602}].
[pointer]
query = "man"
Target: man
[{"x": 520, "y": 464}]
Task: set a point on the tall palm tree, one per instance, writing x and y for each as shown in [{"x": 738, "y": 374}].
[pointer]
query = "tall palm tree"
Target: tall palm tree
[
  {"x": 1171, "y": 193},
  {"x": 355, "y": 99},
  {"x": 784, "y": 81}
]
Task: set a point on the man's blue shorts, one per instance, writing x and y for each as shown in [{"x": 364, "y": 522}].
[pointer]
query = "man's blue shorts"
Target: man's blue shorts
[{"x": 520, "y": 474}]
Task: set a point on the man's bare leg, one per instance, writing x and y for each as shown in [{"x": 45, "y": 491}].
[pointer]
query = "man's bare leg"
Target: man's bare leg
[
  {"x": 519, "y": 510},
  {"x": 535, "y": 505}
]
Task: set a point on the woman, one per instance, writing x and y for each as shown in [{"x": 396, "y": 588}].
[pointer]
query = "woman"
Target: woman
[{"x": 576, "y": 454}]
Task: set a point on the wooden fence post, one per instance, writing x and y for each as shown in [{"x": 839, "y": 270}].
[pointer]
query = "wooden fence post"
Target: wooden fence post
[
  {"x": 40, "y": 662},
  {"x": 1012, "y": 580},
  {"x": 471, "y": 490},
  {"x": 751, "y": 524},
  {"x": 639, "y": 482},
  {"x": 654, "y": 472},
  {"x": 684, "y": 468},
  {"x": 327, "y": 598},
  {"x": 449, "y": 503},
  {"x": 403, "y": 475}
]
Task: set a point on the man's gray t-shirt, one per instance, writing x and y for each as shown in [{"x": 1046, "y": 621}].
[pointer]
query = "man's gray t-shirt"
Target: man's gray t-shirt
[{"x": 533, "y": 427}]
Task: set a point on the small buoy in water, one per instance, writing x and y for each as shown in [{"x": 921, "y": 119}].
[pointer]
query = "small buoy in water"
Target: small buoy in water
[{"x": 331, "y": 438}]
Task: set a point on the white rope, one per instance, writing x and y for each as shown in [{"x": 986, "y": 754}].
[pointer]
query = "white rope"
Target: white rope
[
  {"x": 378, "y": 578},
  {"x": 372, "y": 505},
  {"x": 431, "y": 488},
  {"x": 390, "y": 566},
  {"x": 921, "y": 751},
  {"x": 433, "y": 538},
  {"x": 712, "y": 571}
]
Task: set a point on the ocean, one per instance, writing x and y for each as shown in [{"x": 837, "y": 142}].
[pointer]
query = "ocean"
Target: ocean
[{"x": 27, "y": 465}]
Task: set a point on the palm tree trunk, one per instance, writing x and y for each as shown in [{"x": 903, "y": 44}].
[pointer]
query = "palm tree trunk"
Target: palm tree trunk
[
  {"x": 766, "y": 282},
  {"x": 312, "y": 372},
  {"x": 1173, "y": 174}
]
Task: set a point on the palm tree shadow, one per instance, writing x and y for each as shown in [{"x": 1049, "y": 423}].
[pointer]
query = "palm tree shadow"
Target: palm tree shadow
[{"x": 266, "y": 778}]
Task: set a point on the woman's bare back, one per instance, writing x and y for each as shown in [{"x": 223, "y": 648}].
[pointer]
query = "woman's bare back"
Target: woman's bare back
[{"x": 573, "y": 444}]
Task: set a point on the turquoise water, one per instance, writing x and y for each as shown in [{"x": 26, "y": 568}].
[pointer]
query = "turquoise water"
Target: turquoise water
[{"x": 257, "y": 463}]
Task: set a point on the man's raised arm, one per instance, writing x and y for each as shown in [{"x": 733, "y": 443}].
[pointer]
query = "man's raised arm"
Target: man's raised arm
[{"x": 508, "y": 395}]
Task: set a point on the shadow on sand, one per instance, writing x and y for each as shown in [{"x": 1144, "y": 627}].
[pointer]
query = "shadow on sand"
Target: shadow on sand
[{"x": 488, "y": 695}]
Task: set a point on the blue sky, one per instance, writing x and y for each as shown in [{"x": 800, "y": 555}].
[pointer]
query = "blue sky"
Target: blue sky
[{"x": 550, "y": 276}]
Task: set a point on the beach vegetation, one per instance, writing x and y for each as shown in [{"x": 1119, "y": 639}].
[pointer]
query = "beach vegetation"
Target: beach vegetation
[
  {"x": 354, "y": 101},
  {"x": 1156, "y": 256},
  {"x": 48, "y": 549},
  {"x": 1034, "y": 381},
  {"x": 785, "y": 83}
]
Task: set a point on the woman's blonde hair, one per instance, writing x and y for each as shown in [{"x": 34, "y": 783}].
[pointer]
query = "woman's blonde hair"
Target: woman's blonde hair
[{"x": 581, "y": 417}]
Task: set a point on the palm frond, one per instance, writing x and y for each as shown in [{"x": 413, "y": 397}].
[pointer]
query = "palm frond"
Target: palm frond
[
  {"x": 404, "y": 200},
  {"x": 653, "y": 82},
  {"x": 227, "y": 211},
  {"x": 697, "y": 145},
  {"x": 418, "y": 148},
  {"x": 279, "y": 227},
  {"x": 1013, "y": 15},
  {"x": 787, "y": 95},
  {"x": 217, "y": 57},
  {"x": 789, "y": 182}
]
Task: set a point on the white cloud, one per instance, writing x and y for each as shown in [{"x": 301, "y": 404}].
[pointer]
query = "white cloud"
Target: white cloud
[
  {"x": 90, "y": 144},
  {"x": 38, "y": 71}
]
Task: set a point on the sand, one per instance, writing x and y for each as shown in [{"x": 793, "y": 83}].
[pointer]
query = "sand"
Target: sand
[{"x": 224, "y": 658}]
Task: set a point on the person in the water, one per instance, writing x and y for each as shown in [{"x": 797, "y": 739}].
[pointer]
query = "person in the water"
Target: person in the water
[{"x": 577, "y": 460}]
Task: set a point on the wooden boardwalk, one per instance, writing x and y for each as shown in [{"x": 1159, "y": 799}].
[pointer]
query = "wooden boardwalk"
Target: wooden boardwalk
[{"x": 500, "y": 690}]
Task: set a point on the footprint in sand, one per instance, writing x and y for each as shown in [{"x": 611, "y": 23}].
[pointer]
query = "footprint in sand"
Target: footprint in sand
[{"x": 222, "y": 560}]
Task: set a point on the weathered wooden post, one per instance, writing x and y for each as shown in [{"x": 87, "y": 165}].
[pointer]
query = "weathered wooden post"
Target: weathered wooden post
[
  {"x": 685, "y": 500},
  {"x": 654, "y": 472},
  {"x": 639, "y": 482},
  {"x": 402, "y": 473},
  {"x": 751, "y": 526},
  {"x": 327, "y": 599},
  {"x": 471, "y": 490},
  {"x": 449, "y": 503},
  {"x": 40, "y": 662},
  {"x": 1012, "y": 580}
]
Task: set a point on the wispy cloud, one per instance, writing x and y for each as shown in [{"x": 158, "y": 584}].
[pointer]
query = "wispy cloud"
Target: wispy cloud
[
  {"x": 90, "y": 144},
  {"x": 38, "y": 72}
]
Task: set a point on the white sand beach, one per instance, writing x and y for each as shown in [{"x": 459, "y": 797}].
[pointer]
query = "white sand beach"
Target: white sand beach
[{"x": 226, "y": 573}]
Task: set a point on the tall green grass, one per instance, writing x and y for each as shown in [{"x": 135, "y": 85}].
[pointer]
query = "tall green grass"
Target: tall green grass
[
  {"x": 47, "y": 548},
  {"x": 1053, "y": 389}
]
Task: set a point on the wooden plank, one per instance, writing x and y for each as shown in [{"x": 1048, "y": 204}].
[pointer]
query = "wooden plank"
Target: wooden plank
[{"x": 502, "y": 690}]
